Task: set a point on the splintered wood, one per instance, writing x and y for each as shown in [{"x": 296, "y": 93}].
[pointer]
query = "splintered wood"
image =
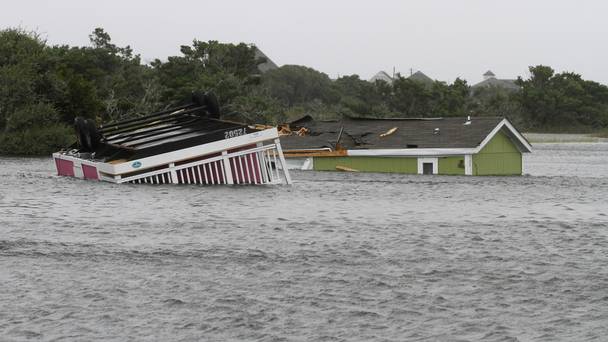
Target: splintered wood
[
  {"x": 284, "y": 130},
  {"x": 345, "y": 168},
  {"x": 389, "y": 132},
  {"x": 302, "y": 131}
]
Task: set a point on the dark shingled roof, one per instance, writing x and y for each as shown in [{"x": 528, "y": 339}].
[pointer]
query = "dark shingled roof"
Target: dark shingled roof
[
  {"x": 419, "y": 76},
  {"x": 499, "y": 83},
  {"x": 268, "y": 63},
  {"x": 363, "y": 133}
]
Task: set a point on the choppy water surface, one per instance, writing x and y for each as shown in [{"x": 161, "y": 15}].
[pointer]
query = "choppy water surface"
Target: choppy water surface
[{"x": 337, "y": 256}]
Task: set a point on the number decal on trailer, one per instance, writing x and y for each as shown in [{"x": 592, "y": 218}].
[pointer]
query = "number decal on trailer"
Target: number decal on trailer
[{"x": 235, "y": 133}]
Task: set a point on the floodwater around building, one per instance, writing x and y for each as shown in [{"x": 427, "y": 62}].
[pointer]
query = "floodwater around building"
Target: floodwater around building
[{"x": 336, "y": 256}]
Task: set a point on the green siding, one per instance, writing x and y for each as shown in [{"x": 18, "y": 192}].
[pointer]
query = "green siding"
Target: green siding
[
  {"x": 368, "y": 164},
  {"x": 499, "y": 157},
  {"x": 451, "y": 165}
]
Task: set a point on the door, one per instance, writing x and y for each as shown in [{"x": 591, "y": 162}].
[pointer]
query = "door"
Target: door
[{"x": 427, "y": 168}]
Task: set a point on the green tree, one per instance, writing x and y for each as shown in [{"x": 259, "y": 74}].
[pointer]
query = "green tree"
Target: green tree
[
  {"x": 297, "y": 85},
  {"x": 225, "y": 69},
  {"x": 562, "y": 101}
]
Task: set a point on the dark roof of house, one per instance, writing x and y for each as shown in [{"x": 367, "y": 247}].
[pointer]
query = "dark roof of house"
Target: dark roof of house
[
  {"x": 381, "y": 76},
  {"x": 364, "y": 133},
  {"x": 499, "y": 83},
  {"x": 268, "y": 64},
  {"x": 420, "y": 77}
]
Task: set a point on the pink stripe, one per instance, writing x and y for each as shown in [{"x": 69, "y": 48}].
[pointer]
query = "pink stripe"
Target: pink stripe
[
  {"x": 64, "y": 167},
  {"x": 90, "y": 172}
]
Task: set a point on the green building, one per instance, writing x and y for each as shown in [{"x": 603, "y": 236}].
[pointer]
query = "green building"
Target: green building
[{"x": 446, "y": 146}]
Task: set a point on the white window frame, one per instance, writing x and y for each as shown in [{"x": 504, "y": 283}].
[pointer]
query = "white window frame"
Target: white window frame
[{"x": 434, "y": 161}]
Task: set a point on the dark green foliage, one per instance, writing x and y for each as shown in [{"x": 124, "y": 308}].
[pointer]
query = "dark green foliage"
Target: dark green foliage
[
  {"x": 43, "y": 88},
  {"x": 225, "y": 69},
  {"x": 31, "y": 115},
  {"x": 554, "y": 101},
  {"x": 39, "y": 140},
  {"x": 296, "y": 85}
]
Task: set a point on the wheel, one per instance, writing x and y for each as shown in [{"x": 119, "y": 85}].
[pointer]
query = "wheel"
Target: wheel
[
  {"x": 213, "y": 107},
  {"x": 80, "y": 127},
  {"x": 93, "y": 135},
  {"x": 198, "y": 98},
  {"x": 87, "y": 134}
]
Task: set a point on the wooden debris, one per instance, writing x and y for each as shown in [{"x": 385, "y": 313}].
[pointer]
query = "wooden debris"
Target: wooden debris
[
  {"x": 345, "y": 168},
  {"x": 389, "y": 132},
  {"x": 314, "y": 153},
  {"x": 261, "y": 126},
  {"x": 284, "y": 130},
  {"x": 302, "y": 131}
]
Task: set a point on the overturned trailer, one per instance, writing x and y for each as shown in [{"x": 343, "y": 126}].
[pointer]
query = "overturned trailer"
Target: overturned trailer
[{"x": 188, "y": 144}]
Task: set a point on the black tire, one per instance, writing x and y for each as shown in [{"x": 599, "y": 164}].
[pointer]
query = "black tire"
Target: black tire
[
  {"x": 87, "y": 134},
  {"x": 213, "y": 107},
  {"x": 80, "y": 128},
  {"x": 198, "y": 99},
  {"x": 93, "y": 134}
]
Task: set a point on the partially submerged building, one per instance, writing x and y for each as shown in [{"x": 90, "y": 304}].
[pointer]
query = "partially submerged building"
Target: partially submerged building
[{"x": 446, "y": 146}]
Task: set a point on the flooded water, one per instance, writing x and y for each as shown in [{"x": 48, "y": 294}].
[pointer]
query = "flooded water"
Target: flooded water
[{"x": 335, "y": 257}]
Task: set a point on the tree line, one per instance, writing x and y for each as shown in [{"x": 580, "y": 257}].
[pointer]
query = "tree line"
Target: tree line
[{"x": 44, "y": 87}]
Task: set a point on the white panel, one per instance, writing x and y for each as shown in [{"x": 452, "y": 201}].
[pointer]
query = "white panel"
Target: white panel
[
  {"x": 468, "y": 164},
  {"x": 435, "y": 162}
]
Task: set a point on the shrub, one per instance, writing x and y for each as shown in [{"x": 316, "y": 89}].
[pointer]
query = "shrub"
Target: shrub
[{"x": 36, "y": 140}]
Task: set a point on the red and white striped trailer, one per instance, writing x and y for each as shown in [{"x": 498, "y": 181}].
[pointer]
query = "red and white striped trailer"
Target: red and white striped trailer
[{"x": 184, "y": 145}]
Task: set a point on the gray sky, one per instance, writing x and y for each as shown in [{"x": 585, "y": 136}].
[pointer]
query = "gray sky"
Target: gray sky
[{"x": 445, "y": 39}]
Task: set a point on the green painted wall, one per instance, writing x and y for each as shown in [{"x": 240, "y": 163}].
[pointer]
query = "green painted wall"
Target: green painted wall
[
  {"x": 499, "y": 157},
  {"x": 451, "y": 165},
  {"x": 368, "y": 164}
]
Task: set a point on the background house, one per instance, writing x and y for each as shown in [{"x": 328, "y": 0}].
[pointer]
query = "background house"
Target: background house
[
  {"x": 268, "y": 64},
  {"x": 490, "y": 80},
  {"x": 381, "y": 76},
  {"x": 417, "y": 76}
]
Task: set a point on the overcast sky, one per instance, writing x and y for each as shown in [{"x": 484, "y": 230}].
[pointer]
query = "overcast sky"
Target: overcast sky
[{"x": 444, "y": 39}]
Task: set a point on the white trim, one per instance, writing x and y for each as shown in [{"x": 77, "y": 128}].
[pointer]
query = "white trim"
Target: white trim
[
  {"x": 496, "y": 129},
  {"x": 414, "y": 152},
  {"x": 434, "y": 161},
  {"x": 286, "y": 174},
  {"x": 520, "y": 137},
  {"x": 78, "y": 172},
  {"x": 227, "y": 168},
  {"x": 200, "y": 150},
  {"x": 468, "y": 165},
  {"x": 303, "y": 163}
]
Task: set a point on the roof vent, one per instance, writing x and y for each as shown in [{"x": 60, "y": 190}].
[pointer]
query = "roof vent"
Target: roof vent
[
  {"x": 436, "y": 131},
  {"x": 468, "y": 122}
]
